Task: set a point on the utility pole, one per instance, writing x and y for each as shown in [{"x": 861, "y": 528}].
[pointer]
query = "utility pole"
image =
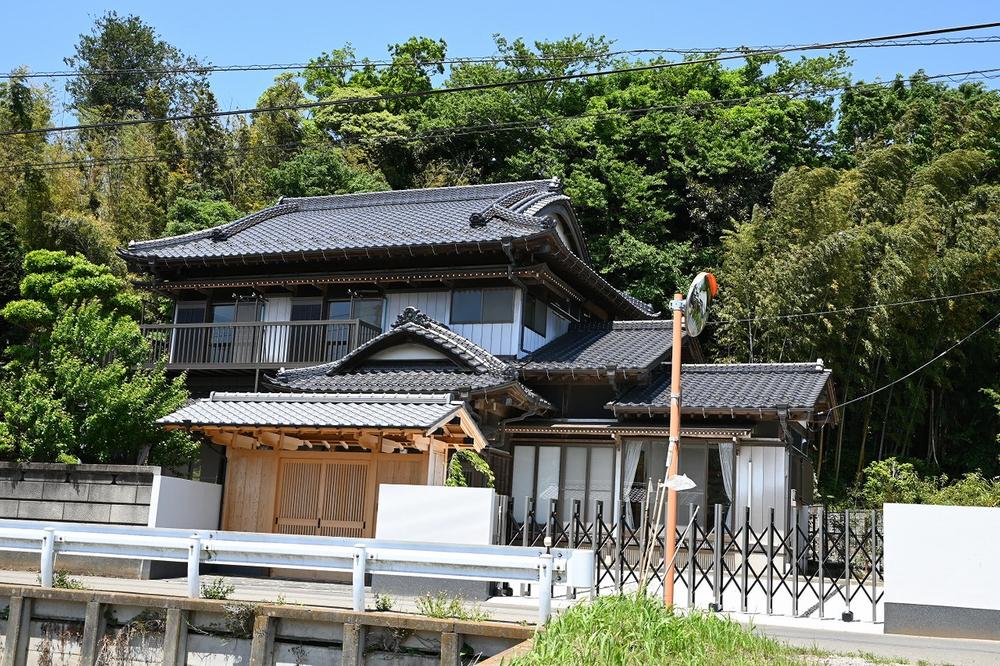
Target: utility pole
[
  {"x": 690, "y": 313},
  {"x": 674, "y": 449}
]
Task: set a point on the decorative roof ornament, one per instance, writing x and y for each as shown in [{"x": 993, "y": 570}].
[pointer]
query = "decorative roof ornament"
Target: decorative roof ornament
[
  {"x": 411, "y": 314},
  {"x": 556, "y": 185}
]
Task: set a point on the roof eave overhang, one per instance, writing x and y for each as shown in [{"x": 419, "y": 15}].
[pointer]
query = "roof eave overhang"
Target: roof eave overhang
[{"x": 760, "y": 413}]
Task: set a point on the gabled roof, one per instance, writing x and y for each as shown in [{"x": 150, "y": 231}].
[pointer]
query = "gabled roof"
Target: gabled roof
[
  {"x": 802, "y": 388},
  {"x": 635, "y": 346},
  {"x": 370, "y": 220},
  {"x": 473, "y": 368},
  {"x": 397, "y": 410}
]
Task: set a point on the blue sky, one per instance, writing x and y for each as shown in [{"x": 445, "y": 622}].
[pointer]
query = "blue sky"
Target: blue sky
[{"x": 264, "y": 32}]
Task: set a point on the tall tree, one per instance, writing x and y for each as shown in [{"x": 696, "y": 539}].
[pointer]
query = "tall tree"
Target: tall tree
[
  {"x": 207, "y": 145},
  {"x": 120, "y": 60}
]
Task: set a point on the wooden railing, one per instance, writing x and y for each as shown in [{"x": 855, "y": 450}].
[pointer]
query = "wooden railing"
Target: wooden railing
[{"x": 256, "y": 344}]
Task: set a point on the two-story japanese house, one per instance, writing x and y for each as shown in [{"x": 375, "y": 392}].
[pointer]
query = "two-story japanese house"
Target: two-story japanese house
[{"x": 341, "y": 342}]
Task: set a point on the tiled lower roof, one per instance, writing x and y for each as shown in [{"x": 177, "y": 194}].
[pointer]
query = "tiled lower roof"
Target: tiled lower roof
[
  {"x": 316, "y": 410},
  {"x": 635, "y": 345},
  {"x": 735, "y": 386},
  {"x": 483, "y": 372}
]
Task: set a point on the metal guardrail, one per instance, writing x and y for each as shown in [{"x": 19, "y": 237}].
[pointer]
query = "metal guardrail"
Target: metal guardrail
[
  {"x": 541, "y": 565},
  {"x": 255, "y": 344}
]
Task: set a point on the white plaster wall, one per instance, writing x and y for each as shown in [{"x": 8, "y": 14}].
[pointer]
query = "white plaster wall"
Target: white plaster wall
[
  {"x": 436, "y": 514},
  {"x": 181, "y": 503},
  {"x": 942, "y": 555}
]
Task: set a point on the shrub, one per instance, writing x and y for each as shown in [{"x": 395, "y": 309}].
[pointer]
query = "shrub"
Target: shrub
[
  {"x": 217, "y": 589},
  {"x": 893, "y": 481}
]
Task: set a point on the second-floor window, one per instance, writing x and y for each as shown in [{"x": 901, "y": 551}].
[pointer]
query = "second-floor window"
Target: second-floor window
[
  {"x": 535, "y": 314},
  {"x": 366, "y": 309},
  {"x": 482, "y": 306}
]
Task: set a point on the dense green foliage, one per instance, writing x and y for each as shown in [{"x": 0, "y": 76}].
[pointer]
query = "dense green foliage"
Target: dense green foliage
[
  {"x": 73, "y": 390},
  {"x": 803, "y": 192},
  {"x": 456, "y": 476},
  {"x": 891, "y": 480},
  {"x": 637, "y": 629}
]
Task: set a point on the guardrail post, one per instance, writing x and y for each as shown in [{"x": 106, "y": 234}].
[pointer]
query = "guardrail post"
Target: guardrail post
[
  {"x": 544, "y": 588},
  {"x": 194, "y": 566},
  {"x": 358, "y": 580},
  {"x": 48, "y": 557}
]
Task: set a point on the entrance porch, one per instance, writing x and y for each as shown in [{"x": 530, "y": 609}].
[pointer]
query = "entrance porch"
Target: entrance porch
[{"x": 312, "y": 464}]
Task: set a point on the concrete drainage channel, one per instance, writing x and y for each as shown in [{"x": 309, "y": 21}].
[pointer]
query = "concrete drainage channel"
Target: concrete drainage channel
[{"x": 49, "y": 627}]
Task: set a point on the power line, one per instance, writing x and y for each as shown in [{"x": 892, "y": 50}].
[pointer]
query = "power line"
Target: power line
[
  {"x": 497, "y": 59},
  {"x": 852, "y": 310},
  {"x": 912, "y": 372},
  {"x": 486, "y": 86},
  {"x": 491, "y": 128}
]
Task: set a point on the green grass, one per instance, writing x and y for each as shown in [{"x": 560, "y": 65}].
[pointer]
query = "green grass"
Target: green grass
[{"x": 630, "y": 630}]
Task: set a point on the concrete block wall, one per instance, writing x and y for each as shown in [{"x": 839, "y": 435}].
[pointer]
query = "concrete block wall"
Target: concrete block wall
[
  {"x": 118, "y": 494},
  {"x": 108, "y": 494}
]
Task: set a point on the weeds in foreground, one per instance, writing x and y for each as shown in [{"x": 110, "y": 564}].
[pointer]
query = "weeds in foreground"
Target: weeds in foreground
[
  {"x": 442, "y": 606},
  {"x": 62, "y": 581},
  {"x": 217, "y": 589},
  {"x": 636, "y": 629},
  {"x": 383, "y": 603},
  {"x": 239, "y": 619}
]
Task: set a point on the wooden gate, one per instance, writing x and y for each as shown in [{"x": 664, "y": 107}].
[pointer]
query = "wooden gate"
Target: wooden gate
[{"x": 325, "y": 497}]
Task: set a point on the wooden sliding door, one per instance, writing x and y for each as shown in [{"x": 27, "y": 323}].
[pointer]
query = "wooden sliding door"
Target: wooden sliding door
[{"x": 325, "y": 497}]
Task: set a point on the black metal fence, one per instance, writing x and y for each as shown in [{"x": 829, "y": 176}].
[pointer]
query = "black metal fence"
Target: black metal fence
[{"x": 816, "y": 562}]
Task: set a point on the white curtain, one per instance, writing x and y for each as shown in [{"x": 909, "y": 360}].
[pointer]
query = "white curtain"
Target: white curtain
[
  {"x": 727, "y": 461},
  {"x": 631, "y": 450}
]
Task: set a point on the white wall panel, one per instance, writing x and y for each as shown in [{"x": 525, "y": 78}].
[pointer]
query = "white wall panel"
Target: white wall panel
[
  {"x": 922, "y": 569},
  {"x": 276, "y": 308},
  {"x": 762, "y": 483},
  {"x": 434, "y": 304}
]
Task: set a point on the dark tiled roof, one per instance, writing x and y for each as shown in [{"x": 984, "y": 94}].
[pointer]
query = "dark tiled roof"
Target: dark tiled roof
[
  {"x": 402, "y": 378},
  {"x": 367, "y": 220},
  {"x": 636, "y": 345},
  {"x": 318, "y": 411},
  {"x": 736, "y": 386},
  {"x": 340, "y": 224},
  {"x": 480, "y": 370}
]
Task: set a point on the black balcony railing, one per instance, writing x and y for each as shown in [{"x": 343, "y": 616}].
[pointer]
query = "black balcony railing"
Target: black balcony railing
[{"x": 257, "y": 344}]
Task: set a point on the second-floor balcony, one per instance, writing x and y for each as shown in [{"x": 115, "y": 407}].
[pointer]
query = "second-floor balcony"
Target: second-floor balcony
[{"x": 255, "y": 345}]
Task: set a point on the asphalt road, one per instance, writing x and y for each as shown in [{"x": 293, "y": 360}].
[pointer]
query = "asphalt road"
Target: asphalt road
[{"x": 914, "y": 649}]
